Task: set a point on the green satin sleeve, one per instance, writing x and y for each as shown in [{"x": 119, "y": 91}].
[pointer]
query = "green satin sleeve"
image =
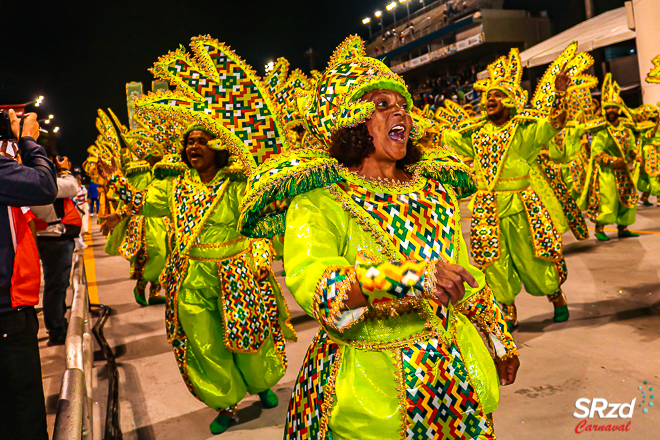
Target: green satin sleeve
[
  {"x": 600, "y": 144},
  {"x": 535, "y": 134},
  {"x": 156, "y": 199},
  {"x": 140, "y": 180},
  {"x": 313, "y": 244},
  {"x": 572, "y": 143},
  {"x": 463, "y": 259},
  {"x": 234, "y": 195},
  {"x": 461, "y": 143}
]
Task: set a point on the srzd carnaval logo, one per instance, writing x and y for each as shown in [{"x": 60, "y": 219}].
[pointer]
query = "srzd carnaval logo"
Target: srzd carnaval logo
[{"x": 587, "y": 408}]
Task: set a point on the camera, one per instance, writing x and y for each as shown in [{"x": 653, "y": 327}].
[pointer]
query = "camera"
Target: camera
[{"x": 5, "y": 127}]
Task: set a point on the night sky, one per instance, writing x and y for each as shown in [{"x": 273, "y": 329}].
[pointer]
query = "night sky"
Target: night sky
[{"x": 80, "y": 55}]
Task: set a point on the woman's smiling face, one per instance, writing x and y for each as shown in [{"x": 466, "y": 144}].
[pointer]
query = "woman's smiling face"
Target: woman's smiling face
[{"x": 200, "y": 156}]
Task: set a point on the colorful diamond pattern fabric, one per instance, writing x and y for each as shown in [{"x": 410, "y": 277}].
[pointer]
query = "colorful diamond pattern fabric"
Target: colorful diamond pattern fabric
[
  {"x": 216, "y": 88},
  {"x": 245, "y": 318},
  {"x": 132, "y": 241},
  {"x": 481, "y": 309},
  {"x": 485, "y": 229},
  {"x": 413, "y": 221},
  {"x": 171, "y": 279},
  {"x": 571, "y": 210},
  {"x": 331, "y": 292},
  {"x": 441, "y": 401},
  {"x": 546, "y": 241},
  {"x": 192, "y": 203},
  {"x": 491, "y": 149},
  {"x": 385, "y": 282},
  {"x": 306, "y": 419}
]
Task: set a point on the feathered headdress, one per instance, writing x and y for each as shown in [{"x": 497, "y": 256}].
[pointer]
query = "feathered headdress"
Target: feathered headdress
[
  {"x": 654, "y": 74},
  {"x": 611, "y": 93},
  {"x": 216, "y": 89},
  {"x": 505, "y": 75},
  {"x": 574, "y": 63},
  {"x": 284, "y": 90},
  {"x": 334, "y": 101}
]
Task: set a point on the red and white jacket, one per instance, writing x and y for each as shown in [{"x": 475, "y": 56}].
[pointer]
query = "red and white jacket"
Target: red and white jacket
[{"x": 26, "y": 277}]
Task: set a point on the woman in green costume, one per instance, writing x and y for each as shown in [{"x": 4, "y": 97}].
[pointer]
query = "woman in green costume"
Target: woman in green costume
[
  {"x": 226, "y": 318},
  {"x": 373, "y": 251}
]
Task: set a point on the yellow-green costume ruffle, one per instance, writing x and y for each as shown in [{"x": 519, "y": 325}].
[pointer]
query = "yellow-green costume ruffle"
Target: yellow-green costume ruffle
[
  {"x": 513, "y": 237},
  {"x": 610, "y": 195},
  {"x": 227, "y": 331}
]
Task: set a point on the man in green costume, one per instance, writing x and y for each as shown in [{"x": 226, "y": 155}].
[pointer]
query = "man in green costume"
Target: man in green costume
[
  {"x": 649, "y": 144},
  {"x": 513, "y": 236},
  {"x": 610, "y": 195}
]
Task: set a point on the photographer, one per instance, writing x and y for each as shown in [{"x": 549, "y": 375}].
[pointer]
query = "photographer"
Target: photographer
[{"x": 22, "y": 403}]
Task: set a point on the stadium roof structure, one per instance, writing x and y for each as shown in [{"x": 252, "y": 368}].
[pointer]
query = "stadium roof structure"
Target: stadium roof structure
[{"x": 603, "y": 30}]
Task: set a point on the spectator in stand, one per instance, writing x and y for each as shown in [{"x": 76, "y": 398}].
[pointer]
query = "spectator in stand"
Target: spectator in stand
[
  {"x": 22, "y": 403},
  {"x": 56, "y": 250},
  {"x": 93, "y": 195}
]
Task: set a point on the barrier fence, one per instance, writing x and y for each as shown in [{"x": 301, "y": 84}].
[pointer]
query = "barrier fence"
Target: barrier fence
[
  {"x": 74, "y": 419},
  {"x": 74, "y": 407}
]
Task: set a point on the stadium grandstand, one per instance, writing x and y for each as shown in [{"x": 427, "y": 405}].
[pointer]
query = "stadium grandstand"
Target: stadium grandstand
[{"x": 435, "y": 47}]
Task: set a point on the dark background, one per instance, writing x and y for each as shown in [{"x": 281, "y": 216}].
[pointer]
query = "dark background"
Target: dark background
[{"x": 80, "y": 55}]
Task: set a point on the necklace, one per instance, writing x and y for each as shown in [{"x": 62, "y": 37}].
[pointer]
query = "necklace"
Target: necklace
[{"x": 384, "y": 182}]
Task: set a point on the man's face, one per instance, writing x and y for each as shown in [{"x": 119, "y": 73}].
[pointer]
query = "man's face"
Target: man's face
[
  {"x": 494, "y": 107},
  {"x": 612, "y": 114}
]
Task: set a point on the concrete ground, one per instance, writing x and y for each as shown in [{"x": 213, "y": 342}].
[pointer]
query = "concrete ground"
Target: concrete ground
[{"x": 608, "y": 349}]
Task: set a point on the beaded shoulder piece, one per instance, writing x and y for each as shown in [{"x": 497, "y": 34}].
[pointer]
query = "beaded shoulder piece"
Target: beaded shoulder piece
[
  {"x": 139, "y": 166},
  {"x": 170, "y": 166},
  {"x": 274, "y": 184}
]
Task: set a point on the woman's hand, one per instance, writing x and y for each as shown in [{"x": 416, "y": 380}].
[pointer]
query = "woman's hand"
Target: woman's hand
[
  {"x": 106, "y": 170},
  {"x": 109, "y": 223},
  {"x": 619, "y": 164},
  {"x": 263, "y": 275},
  {"x": 449, "y": 282},
  {"x": 562, "y": 81},
  {"x": 507, "y": 369}
]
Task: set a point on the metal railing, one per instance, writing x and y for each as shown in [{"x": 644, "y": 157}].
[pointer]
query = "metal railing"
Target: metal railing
[{"x": 74, "y": 407}]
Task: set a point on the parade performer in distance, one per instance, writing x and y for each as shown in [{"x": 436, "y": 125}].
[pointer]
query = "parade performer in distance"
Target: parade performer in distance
[
  {"x": 143, "y": 239},
  {"x": 226, "y": 318},
  {"x": 648, "y": 182},
  {"x": 373, "y": 251},
  {"x": 513, "y": 237},
  {"x": 610, "y": 195}
]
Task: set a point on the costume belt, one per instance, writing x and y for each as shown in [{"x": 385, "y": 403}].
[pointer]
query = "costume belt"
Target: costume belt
[
  {"x": 218, "y": 251},
  {"x": 511, "y": 184},
  {"x": 485, "y": 226}
]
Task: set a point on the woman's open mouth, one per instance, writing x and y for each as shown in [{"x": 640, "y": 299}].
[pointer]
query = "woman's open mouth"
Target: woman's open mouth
[
  {"x": 194, "y": 156},
  {"x": 397, "y": 133}
]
